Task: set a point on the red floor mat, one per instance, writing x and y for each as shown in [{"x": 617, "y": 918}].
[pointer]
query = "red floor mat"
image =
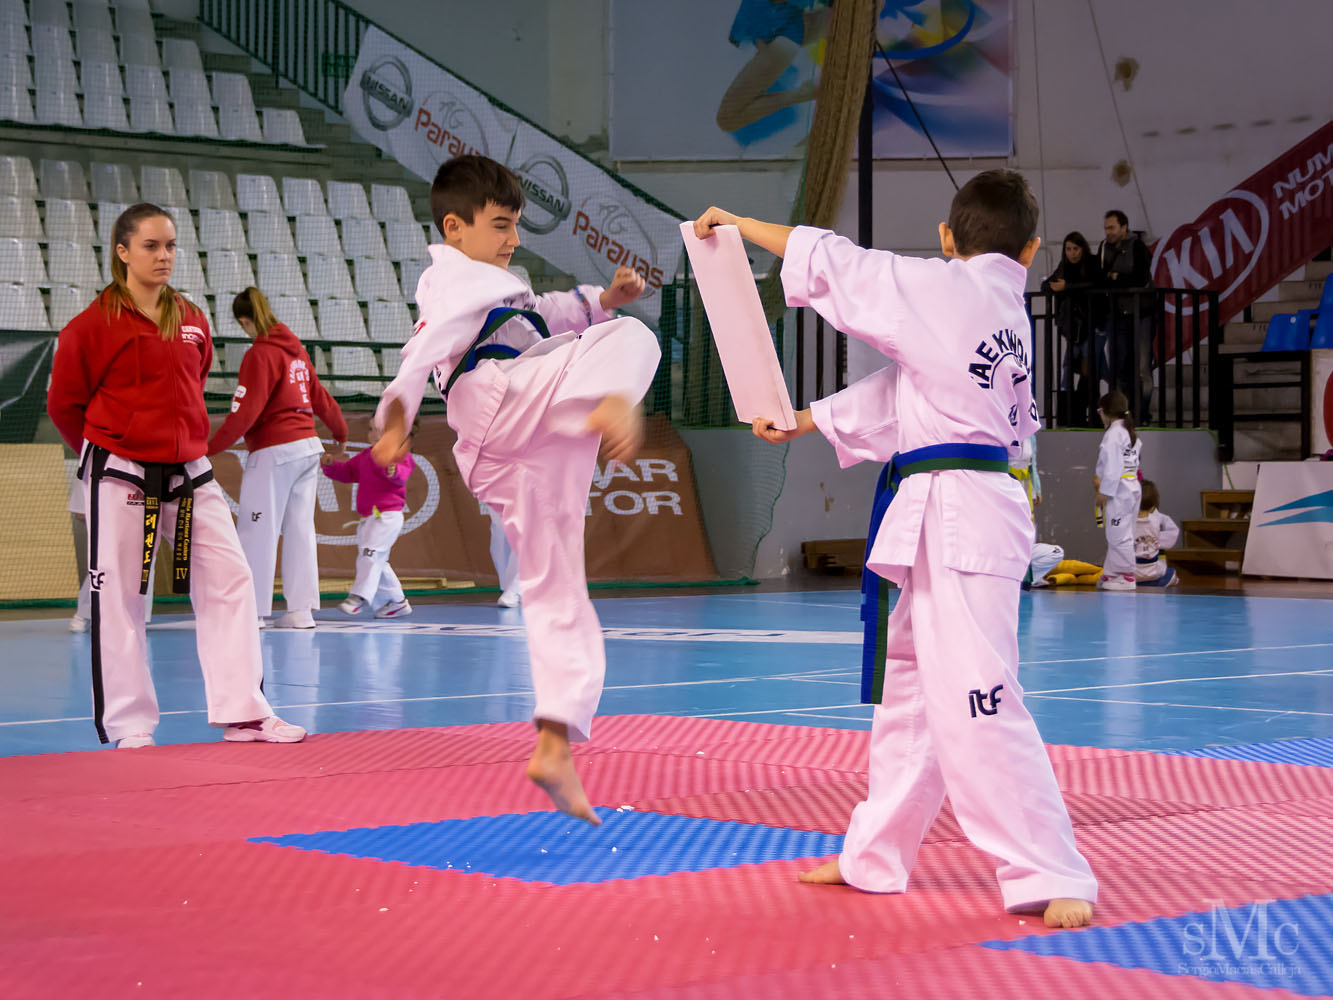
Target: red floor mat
[{"x": 129, "y": 874}]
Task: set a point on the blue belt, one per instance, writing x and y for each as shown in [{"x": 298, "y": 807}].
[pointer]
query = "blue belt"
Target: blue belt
[
  {"x": 874, "y": 588},
  {"x": 1146, "y": 560},
  {"x": 476, "y": 352}
]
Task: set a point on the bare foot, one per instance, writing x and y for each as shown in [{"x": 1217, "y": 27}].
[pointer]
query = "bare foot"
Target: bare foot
[
  {"x": 620, "y": 423},
  {"x": 552, "y": 769},
  {"x": 1068, "y": 913},
  {"x": 826, "y": 874}
]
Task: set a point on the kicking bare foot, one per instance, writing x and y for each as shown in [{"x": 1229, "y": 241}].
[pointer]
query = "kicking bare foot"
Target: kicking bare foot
[
  {"x": 1068, "y": 913},
  {"x": 552, "y": 768},
  {"x": 620, "y": 423},
  {"x": 826, "y": 874}
]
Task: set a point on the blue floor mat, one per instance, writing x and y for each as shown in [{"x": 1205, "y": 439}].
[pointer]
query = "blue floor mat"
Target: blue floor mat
[
  {"x": 1281, "y": 944},
  {"x": 551, "y": 847},
  {"x": 1314, "y": 752}
]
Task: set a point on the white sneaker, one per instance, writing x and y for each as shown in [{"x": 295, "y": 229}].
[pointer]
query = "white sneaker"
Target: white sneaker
[
  {"x": 1116, "y": 583},
  {"x": 1174, "y": 579},
  {"x": 510, "y": 599},
  {"x": 301, "y": 618},
  {"x": 395, "y": 609},
  {"x": 352, "y": 605},
  {"x": 263, "y": 622},
  {"x": 135, "y": 741},
  {"x": 271, "y": 730},
  {"x": 78, "y": 624}
]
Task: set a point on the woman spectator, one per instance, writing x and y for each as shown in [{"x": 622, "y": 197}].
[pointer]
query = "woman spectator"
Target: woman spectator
[
  {"x": 128, "y": 379},
  {"x": 277, "y": 399},
  {"x": 1076, "y": 315}
]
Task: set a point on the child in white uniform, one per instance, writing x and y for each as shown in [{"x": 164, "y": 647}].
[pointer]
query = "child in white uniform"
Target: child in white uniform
[
  {"x": 1117, "y": 483},
  {"x": 956, "y": 538},
  {"x": 506, "y": 562},
  {"x": 530, "y": 398},
  {"x": 1153, "y": 531}
]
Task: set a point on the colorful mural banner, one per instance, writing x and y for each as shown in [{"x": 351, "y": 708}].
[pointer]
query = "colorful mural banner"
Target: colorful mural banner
[
  {"x": 738, "y": 81},
  {"x": 578, "y": 216}
]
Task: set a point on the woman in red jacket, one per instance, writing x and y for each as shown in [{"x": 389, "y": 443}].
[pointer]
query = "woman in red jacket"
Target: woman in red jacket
[
  {"x": 277, "y": 399},
  {"x": 127, "y": 392}
]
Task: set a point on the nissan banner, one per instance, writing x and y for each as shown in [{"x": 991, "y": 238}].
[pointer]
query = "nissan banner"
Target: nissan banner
[{"x": 578, "y": 216}]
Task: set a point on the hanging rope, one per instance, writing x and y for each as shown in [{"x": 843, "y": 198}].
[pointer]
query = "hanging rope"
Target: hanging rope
[{"x": 842, "y": 82}]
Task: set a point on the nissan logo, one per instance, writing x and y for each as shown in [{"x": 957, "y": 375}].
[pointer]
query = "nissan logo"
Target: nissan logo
[
  {"x": 386, "y": 92},
  {"x": 547, "y": 191}
]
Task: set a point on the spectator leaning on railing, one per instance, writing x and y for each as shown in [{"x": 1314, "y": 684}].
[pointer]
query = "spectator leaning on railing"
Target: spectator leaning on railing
[
  {"x": 1127, "y": 266},
  {"x": 1077, "y": 314}
]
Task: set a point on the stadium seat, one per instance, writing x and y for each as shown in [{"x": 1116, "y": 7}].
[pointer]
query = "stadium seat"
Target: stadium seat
[
  {"x": 317, "y": 234},
  {"x": 257, "y": 193},
  {"x": 57, "y": 107},
  {"x": 67, "y": 219},
  {"x": 113, "y": 182},
  {"x": 282, "y": 126},
  {"x": 64, "y": 179},
  {"x": 270, "y": 231},
  {"x": 348, "y": 200},
  {"x": 303, "y": 196},
  {"x": 295, "y": 312},
  {"x": 72, "y": 263},
  {"x": 341, "y": 319},
  {"x": 229, "y": 271},
  {"x": 163, "y": 186},
  {"x": 405, "y": 240},
  {"x": 375, "y": 279},
  {"x": 239, "y": 123},
  {"x": 16, "y": 105},
  {"x": 1284, "y": 335},
  {"x": 181, "y": 53},
  {"x": 220, "y": 229},
  {"x": 390, "y": 203},
  {"x": 17, "y": 177},
  {"x": 189, "y": 273},
  {"x": 412, "y": 271},
  {"x": 1322, "y": 338},
  {"x": 67, "y": 301},
  {"x": 363, "y": 238},
  {"x": 22, "y": 308},
  {"x": 390, "y": 322},
  {"x": 21, "y": 261},
  {"x": 327, "y": 277},
  {"x": 280, "y": 274},
  {"x": 211, "y": 189},
  {"x": 18, "y": 217},
  {"x": 151, "y": 114},
  {"x": 354, "y": 361}
]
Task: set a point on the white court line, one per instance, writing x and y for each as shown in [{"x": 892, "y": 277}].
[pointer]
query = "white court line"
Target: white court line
[
  {"x": 1186, "y": 652},
  {"x": 824, "y": 680},
  {"x": 1185, "y": 680},
  {"x": 772, "y": 711},
  {"x": 817, "y": 715},
  {"x": 442, "y": 697},
  {"x": 1274, "y": 712}
]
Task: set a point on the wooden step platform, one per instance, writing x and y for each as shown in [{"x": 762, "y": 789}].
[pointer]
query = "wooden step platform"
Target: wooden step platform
[
  {"x": 835, "y": 555},
  {"x": 1206, "y": 561}
]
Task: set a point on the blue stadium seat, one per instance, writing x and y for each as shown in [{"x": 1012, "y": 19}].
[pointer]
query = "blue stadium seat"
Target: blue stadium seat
[
  {"x": 1326, "y": 296},
  {"x": 1283, "y": 334},
  {"x": 1323, "y": 331}
]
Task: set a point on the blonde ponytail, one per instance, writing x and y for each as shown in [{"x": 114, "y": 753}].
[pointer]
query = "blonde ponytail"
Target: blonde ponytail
[{"x": 253, "y": 305}]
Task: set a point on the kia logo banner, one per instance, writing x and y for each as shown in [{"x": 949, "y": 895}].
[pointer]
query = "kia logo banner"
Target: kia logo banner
[{"x": 1269, "y": 226}]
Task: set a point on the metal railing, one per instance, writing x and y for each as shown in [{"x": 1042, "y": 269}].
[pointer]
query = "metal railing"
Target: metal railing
[{"x": 1145, "y": 342}]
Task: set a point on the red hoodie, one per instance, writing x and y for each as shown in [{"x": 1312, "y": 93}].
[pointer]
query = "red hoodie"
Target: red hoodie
[
  {"x": 277, "y": 397},
  {"x": 118, "y": 384}
]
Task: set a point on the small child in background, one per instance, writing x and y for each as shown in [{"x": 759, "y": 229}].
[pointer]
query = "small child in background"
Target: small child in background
[
  {"x": 381, "y": 494},
  {"x": 1153, "y": 531},
  {"x": 1117, "y": 482}
]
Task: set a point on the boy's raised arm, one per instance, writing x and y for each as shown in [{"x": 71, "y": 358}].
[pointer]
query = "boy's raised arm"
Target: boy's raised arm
[{"x": 769, "y": 235}]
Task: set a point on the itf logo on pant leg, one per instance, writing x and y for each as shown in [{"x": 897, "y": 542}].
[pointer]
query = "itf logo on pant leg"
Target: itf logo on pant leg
[
  {"x": 96, "y": 578},
  {"x": 986, "y": 704}
]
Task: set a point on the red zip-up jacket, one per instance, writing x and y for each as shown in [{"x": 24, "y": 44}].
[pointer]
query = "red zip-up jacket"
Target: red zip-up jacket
[
  {"x": 278, "y": 396},
  {"x": 118, "y": 384}
]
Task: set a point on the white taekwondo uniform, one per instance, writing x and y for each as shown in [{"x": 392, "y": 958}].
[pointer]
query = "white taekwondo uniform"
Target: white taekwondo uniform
[
  {"x": 523, "y": 445},
  {"x": 1118, "y": 472},
  {"x": 958, "y": 542}
]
